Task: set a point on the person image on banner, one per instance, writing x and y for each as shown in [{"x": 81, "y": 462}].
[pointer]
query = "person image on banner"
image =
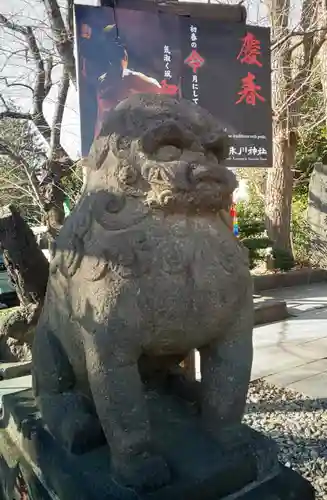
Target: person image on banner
[
  {"x": 115, "y": 81},
  {"x": 119, "y": 82}
]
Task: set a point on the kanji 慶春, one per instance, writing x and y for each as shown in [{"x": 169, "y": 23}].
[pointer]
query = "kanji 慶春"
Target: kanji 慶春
[
  {"x": 250, "y": 50},
  {"x": 249, "y": 91}
]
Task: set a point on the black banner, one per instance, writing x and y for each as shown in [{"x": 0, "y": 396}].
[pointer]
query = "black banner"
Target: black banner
[
  {"x": 222, "y": 66},
  {"x": 227, "y": 71}
]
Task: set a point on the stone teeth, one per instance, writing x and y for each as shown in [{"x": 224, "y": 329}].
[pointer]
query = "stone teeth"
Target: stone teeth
[{"x": 299, "y": 426}]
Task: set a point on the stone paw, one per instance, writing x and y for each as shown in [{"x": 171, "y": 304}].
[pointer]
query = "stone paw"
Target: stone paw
[{"x": 144, "y": 472}]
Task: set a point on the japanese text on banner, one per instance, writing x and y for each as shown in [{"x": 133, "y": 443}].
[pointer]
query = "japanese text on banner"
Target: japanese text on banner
[
  {"x": 194, "y": 61},
  {"x": 168, "y": 87},
  {"x": 249, "y": 54},
  {"x": 253, "y": 152}
]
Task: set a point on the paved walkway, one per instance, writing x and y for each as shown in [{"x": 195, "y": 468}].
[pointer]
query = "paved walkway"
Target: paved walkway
[{"x": 293, "y": 353}]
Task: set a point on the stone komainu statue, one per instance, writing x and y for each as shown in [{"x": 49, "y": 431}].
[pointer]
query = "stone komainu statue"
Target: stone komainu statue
[{"x": 145, "y": 270}]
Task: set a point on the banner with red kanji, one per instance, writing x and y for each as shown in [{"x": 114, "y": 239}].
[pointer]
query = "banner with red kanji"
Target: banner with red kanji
[
  {"x": 227, "y": 71},
  {"x": 223, "y": 67}
]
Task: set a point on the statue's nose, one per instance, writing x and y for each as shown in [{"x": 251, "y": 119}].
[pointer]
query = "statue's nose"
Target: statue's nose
[
  {"x": 203, "y": 173},
  {"x": 220, "y": 175}
]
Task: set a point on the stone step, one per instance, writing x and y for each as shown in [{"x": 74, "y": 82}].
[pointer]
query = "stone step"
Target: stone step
[
  {"x": 296, "y": 277},
  {"x": 13, "y": 370},
  {"x": 268, "y": 310}
]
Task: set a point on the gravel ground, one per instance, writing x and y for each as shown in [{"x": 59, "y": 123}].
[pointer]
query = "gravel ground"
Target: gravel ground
[{"x": 299, "y": 426}]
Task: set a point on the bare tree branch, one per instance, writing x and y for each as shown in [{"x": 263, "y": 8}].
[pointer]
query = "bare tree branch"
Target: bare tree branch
[
  {"x": 294, "y": 33},
  {"x": 48, "y": 75},
  {"x": 70, "y": 18},
  {"x": 59, "y": 113},
  {"x": 5, "y": 149},
  {"x": 42, "y": 85},
  {"x": 15, "y": 84},
  {"x": 63, "y": 41},
  {"x": 12, "y": 26},
  {"x": 16, "y": 115}
]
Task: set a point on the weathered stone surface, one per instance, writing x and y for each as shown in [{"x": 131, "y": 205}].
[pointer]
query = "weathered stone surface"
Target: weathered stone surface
[
  {"x": 200, "y": 468},
  {"x": 145, "y": 270},
  {"x": 243, "y": 468},
  {"x": 317, "y": 214}
]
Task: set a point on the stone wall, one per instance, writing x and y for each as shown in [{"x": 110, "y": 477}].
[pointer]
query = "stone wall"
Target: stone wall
[{"x": 317, "y": 215}]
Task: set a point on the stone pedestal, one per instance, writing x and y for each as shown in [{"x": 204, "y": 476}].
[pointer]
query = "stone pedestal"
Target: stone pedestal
[{"x": 243, "y": 465}]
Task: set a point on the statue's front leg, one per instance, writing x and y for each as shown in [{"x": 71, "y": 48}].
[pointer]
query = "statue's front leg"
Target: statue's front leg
[
  {"x": 121, "y": 406},
  {"x": 226, "y": 371},
  {"x": 68, "y": 414}
]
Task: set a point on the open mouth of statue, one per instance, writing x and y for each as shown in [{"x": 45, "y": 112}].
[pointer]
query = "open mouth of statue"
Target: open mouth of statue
[
  {"x": 183, "y": 185},
  {"x": 180, "y": 164}
]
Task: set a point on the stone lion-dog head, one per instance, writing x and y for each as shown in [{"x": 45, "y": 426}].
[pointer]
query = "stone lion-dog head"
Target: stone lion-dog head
[{"x": 164, "y": 152}]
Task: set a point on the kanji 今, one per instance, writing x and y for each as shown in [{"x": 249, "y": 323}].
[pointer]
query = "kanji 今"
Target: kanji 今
[
  {"x": 250, "y": 91},
  {"x": 250, "y": 50},
  {"x": 194, "y": 60}
]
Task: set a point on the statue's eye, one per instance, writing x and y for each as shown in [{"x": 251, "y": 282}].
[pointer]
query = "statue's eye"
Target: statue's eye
[{"x": 120, "y": 146}]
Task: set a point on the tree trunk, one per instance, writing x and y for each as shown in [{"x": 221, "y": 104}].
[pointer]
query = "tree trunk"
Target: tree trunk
[
  {"x": 28, "y": 271},
  {"x": 279, "y": 191},
  {"x": 323, "y": 74},
  {"x": 55, "y": 214},
  {"x": 52, "y": 195},
  {"x": 278, "y": 199},
  {"x": 290, "y": 82}
]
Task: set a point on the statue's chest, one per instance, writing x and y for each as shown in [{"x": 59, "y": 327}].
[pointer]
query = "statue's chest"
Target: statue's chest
[{"x": 201, "y": 252}]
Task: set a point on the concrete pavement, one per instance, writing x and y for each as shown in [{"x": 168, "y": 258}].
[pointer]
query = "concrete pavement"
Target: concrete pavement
[
  {"x": 293, "y": 353},
  {"x": 301, "y": 298}
]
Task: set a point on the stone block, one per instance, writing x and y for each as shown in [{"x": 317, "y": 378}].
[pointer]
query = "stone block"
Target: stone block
[{"x": 242, "y": 464}]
